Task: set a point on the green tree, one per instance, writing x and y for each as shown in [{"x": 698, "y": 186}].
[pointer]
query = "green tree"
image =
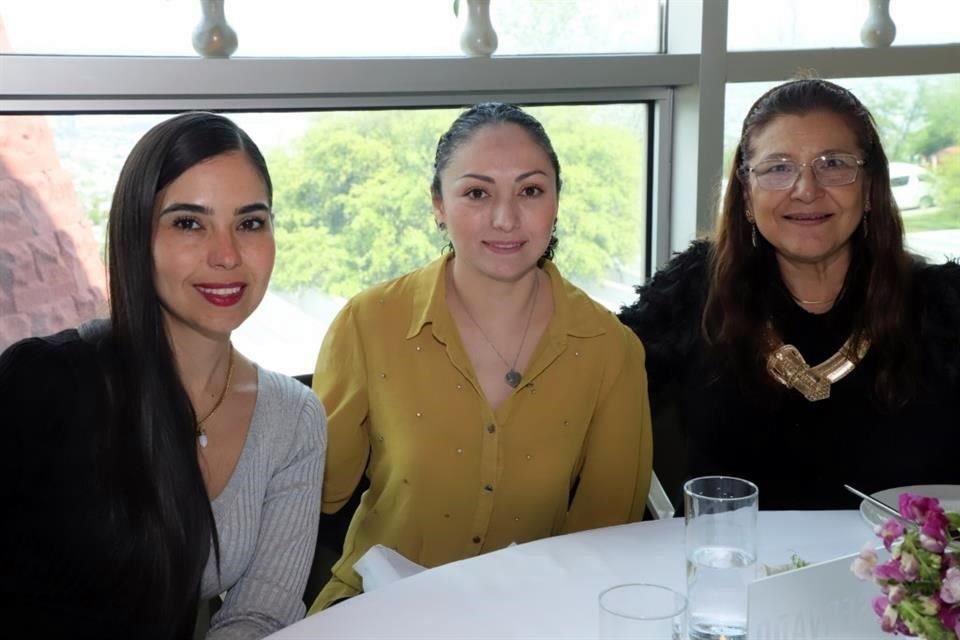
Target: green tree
[
  {"x": 916, "y": 121},
  {"x": 948, "y": 186},
  {"x": 941, "y": 110},
  {"x": 353, "y": 202},
  {"x": 601, "y": 211},
  {"x": 899, "y": 113}
]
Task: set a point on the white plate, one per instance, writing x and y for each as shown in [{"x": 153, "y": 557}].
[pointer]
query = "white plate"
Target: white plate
[{"x": 948, "y": 494}]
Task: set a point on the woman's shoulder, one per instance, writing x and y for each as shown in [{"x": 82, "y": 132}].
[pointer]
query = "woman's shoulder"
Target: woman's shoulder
[
  {"x": 54, "y": 355},
  {"x": 931, "y": 277},
  {"x": 689, "y": 269},
  {"x": 288, "y": 394},
  {"x": 936, "y": 309},
  {"x": 290, "y": 406},
  {"x": 49, "y": 385},
  {"x": 937, "y": 290},
  {"x": 400, "y": 289},
  {"x": 678, "y": 289},
  {"x": 586, "y": 317}
]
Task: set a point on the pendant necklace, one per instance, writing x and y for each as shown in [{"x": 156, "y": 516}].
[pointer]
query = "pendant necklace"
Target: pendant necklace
[
  {"x": 201, "y": 432},
  {"x": 512, "y": 377}
]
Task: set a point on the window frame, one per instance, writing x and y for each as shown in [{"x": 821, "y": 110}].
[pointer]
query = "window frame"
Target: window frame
[{"x": 686, "y": 86}]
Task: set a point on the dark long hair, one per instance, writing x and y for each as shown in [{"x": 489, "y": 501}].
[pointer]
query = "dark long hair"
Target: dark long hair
[
  {"x": 488, "y": 114},
  {"x": 877, "y": 280},
  {"x": 149, "y": 443}
]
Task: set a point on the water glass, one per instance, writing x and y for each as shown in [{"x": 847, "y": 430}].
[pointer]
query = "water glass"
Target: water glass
[
  {"x": 721, "y": 547},
  {"x": 641, "y": 612}
]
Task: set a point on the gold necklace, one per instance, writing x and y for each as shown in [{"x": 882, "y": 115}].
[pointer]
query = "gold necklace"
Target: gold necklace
[
  {"x": 512, "y": 377},
  {"x": 787, "y": 366},
  {"x": 802, "y": 301},
  {"x": 201, "y": 432}
]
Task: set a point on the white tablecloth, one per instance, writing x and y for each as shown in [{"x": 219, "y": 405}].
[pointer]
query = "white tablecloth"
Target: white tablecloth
[{"x": 548, "y": 588}]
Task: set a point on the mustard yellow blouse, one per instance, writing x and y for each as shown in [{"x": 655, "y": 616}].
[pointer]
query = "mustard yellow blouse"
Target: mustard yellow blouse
[{"x": 449, "y": 478}]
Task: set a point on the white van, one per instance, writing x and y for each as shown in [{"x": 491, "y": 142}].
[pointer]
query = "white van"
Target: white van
[{"x": 912, "y": 185}]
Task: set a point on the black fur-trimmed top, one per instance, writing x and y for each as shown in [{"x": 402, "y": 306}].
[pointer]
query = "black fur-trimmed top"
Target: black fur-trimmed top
[{"x": 800, "y": 453}]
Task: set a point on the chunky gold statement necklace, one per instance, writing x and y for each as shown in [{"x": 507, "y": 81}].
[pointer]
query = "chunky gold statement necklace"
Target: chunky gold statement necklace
[
  {"x": 201, "y": 432},
  {"x": 787, "y": 366}
]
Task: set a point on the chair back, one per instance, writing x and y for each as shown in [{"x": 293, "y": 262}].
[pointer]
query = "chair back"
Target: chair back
[{"x": 330, "y": 534}]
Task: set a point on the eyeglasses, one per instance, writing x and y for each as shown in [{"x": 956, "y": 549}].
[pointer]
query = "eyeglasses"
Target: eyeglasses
[{"x": 830, "y": 170}]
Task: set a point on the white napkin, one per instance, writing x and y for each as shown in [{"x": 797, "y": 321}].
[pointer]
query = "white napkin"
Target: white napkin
[{"x": 380, "y": 566}]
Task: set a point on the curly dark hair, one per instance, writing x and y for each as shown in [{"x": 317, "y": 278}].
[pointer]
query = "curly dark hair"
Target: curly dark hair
[{"x": 879, "y": 274}]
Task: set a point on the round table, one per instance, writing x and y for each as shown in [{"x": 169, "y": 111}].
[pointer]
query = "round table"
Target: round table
[{"x": 548, "y": 588}]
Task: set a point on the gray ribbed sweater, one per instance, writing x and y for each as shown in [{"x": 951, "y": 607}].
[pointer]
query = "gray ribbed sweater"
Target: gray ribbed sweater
[{"x": 267, "y": 514}]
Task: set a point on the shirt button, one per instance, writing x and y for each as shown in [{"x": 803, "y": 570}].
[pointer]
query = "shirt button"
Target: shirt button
[
  {"x": 491, "y": 428},
  {"x": 476, "y": 539}
]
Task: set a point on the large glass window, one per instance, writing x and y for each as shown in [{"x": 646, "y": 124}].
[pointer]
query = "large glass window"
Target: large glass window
[
  {"x": 308, "y": 28},
  {"x": 754, "y": 25},
  {"x": 352, "y": 204},
  {"x": 919, "y": 122}
]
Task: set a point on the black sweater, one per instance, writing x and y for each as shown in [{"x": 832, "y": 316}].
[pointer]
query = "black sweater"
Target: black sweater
[
  {"x": 799, "y": 453},
  {"x": 67, "y": 568}
]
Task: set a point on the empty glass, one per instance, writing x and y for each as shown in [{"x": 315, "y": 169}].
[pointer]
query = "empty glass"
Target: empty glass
[
  {"x": 721, "y": 547},
  {"x": 641, "y": 612}
]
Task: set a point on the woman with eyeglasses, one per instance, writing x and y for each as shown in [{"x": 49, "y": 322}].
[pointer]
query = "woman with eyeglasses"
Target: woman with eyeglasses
[{"x": 803, "y": 348}]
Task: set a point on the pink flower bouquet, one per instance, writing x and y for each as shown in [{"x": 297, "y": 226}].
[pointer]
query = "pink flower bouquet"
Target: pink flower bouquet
[{"x": 920, "y": 585}]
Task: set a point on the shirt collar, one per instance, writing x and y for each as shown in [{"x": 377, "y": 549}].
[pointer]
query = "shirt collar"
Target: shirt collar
[
  {"x": 572, "y": 309},
  {"x": 430, "y": 297}
]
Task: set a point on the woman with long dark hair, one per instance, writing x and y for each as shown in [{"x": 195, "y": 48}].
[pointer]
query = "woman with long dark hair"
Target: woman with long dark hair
[
  {"x": 147, "y": 464},
  {"x": 803, "y": 347}
]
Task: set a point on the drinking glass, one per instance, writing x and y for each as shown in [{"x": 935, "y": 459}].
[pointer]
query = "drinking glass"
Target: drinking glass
[
  {"x": 721, "y": 546},
  {"x": 641, "y": 612}
]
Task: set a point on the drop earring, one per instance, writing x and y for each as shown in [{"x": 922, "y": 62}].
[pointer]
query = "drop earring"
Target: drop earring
[
  {"x": 753, "y": 234},
  {"x": 865, "y": 230},
  {"x": 448, "y": 246}
]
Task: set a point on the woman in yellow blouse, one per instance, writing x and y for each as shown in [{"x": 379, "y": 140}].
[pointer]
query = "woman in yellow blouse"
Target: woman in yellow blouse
[{"x": 488, "y": 400}]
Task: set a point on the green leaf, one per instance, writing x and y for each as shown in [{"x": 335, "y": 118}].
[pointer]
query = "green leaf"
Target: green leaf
[
  {"x": 798, "y": 562},
  {"x": 456, "y": 8}
]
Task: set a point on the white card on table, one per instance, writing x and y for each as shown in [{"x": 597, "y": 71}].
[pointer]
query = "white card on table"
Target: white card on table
[{"x": 819, "y": 601}]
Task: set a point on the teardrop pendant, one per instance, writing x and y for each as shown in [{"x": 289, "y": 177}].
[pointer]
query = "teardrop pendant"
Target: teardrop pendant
[
  {"x": 513, "y": 378},
  {"x": 202, "y": 439}
]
